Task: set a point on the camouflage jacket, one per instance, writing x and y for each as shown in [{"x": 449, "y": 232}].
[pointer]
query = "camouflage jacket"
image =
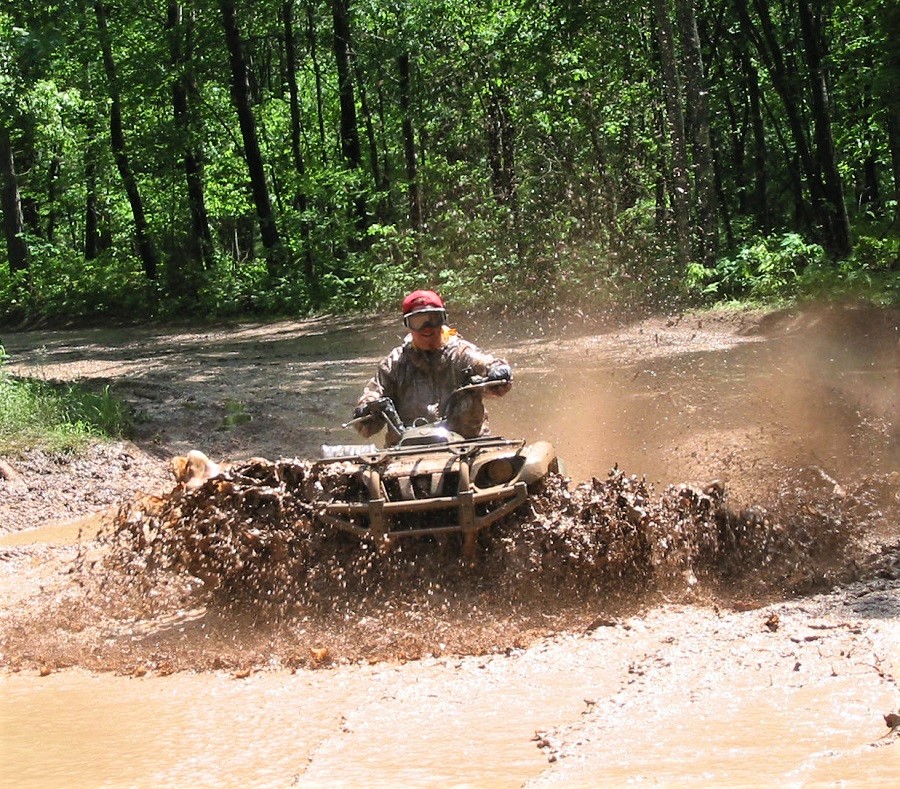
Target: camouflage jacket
[{"x": 420, "y": 383}]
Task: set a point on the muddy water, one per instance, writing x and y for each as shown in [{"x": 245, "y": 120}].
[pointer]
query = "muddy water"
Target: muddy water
[
  {"x": 675, "y": 696},
  {"x": 636, "y": 702}
]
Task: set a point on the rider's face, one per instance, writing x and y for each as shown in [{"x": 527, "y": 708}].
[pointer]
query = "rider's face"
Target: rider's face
[
  {"x": 426, "y": 328},
  {"x": 427, "y": 338}
]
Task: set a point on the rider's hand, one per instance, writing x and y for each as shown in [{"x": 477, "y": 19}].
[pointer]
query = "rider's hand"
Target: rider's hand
[
  {"x": 500, "y": 372},
  {"x": 372, "y": 408}
]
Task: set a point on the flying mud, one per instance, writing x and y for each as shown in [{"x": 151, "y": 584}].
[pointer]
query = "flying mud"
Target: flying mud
[{"x": 236, "y": 571}]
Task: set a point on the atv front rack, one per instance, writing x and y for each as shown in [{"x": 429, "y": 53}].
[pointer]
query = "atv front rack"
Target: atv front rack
[{"x": 379, "y": 511}]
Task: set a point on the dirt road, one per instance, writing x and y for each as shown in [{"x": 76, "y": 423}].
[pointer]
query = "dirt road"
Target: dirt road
[{"x": 690, "y": 684}]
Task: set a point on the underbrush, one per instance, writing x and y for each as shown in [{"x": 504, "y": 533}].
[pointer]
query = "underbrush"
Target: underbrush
[
  {"x": 786, "y": 267},
  {"x": 39, "y": 414}
]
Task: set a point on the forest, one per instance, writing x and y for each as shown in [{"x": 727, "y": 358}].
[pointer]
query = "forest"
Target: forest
[{"x": 164, "y": 159}]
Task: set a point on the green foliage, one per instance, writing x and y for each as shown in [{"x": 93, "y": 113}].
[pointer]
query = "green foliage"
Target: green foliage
[
  {"x": 785, "y": 267},
  {"x": 871, "y": 274},
  {"x": 36, "y": 414},
  {"x": 110, "y": 287},
  {"x": 766, "y": 270},
  {"x": 544, "y": 160},
  {"x": 235, "y": 414}
]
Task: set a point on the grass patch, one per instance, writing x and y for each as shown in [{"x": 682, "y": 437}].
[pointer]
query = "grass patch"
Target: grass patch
[{"x": 39, "y": 415}]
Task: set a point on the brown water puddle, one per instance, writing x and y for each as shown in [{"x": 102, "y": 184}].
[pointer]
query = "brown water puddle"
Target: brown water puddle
[
  {"x": 67, "y": 532},
  {"x": 619, "y": 706},
  {"x": 399, "y": 726}
]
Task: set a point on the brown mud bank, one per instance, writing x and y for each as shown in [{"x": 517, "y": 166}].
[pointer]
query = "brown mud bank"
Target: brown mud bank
[{"x": 639, "y": 623}]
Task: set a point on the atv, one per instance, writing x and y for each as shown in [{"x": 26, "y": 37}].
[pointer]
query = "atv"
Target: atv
[{"x": 432, "y": 481}]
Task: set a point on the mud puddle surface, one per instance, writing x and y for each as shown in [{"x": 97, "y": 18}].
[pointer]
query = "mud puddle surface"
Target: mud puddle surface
[{"x": 636, "y": 621}]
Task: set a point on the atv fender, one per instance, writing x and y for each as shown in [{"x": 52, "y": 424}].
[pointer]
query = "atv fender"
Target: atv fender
[{"x": 540, "y": 458}]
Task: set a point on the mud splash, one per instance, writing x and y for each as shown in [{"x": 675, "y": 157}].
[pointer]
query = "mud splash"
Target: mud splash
[{"x": 236, "y": 574}]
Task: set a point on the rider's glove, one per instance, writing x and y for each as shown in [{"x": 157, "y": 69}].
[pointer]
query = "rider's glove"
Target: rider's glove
[
  {"x": 500, "y": 372},
  {"x": 372, "y": 408}
]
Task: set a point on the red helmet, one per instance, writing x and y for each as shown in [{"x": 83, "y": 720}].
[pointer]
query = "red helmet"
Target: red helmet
[{"x": 422, "y": 301}]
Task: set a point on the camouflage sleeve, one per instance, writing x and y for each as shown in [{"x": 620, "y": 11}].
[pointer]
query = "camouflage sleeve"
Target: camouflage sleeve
[
  {"x": 382, "y": 384},
  {"x": 479, "y": 363}
]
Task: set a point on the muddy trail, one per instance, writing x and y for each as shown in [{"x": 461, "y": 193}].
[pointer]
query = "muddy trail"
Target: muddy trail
[
  {"x": 243, "y": 554},
  {"x": 717, "y": 467}
]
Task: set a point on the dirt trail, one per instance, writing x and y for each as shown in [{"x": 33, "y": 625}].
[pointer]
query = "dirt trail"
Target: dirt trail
[{"x": 547, "y": 678}]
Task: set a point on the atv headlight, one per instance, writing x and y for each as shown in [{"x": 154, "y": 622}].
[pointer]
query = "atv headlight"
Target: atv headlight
[{"x": 500, "y": 471}]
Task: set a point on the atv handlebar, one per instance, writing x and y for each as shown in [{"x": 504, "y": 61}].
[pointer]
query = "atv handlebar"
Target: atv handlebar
[{"x": 384, "y": 406}]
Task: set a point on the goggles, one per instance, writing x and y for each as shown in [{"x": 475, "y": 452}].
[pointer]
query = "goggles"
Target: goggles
[{"x": 425, "y": 320}]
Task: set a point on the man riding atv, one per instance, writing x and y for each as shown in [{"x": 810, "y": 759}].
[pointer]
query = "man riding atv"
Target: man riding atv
[
  {"x": 420, "y": 375},
  {"x": 441, "y": 472}
]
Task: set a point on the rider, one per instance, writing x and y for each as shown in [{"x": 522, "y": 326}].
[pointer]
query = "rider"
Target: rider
[{"x": 419, "y": 375}]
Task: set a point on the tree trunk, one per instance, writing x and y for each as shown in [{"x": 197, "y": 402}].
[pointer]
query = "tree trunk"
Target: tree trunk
[
  {"x": 414, "y": 200},
  {"x": 680, "y": 196},
  {"x": 379, "y": 174},
  {"x": 317, "y": 73},
  {"x": 91, "y": 216},
  {"x": 240, "y": 94},
  {"x": 13, "y": 221},
  {"x": 145, "y": 247},
  {"x": 300, "y": 200},
  {"x": 706, "y": 234},
  {"x": 893, "y": 128},
  {"x": 183, "y": 87},
  {"x": 350, "y": 145},
  {"x": 502, "y": 160},
  {"x": 889, "y": 18},
  {"x": 52, "y": 196},
  {"x": 722, "y": 201},
  {"x": 758, "y": 202},
  {"x": 501, "y": 148},
  {"x": 290, "y": 54},
  {"x": 93, "y": 240},
  {"x": 833, "y": 210}
]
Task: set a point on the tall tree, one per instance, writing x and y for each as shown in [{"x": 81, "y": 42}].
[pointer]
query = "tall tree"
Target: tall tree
[
  {"x": 705, "y": 209},
  {"x": 240, "y": 92},
  {"x": 349, "y": 134},
  {"x": 413, "y": 195},
  {"x": 145, "y": 246},
  {"x": 349, "y": 131},
  {"x": 301, "y": 203},
  {"x": 671, "y": 82},
  {"x": 184, "y": 95},
  {"x": 757, "y": 204},
  {"x": 312, "y": 43},
  {"x": 833, "y": 209},
  {"x": 13, "y": 222}
]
